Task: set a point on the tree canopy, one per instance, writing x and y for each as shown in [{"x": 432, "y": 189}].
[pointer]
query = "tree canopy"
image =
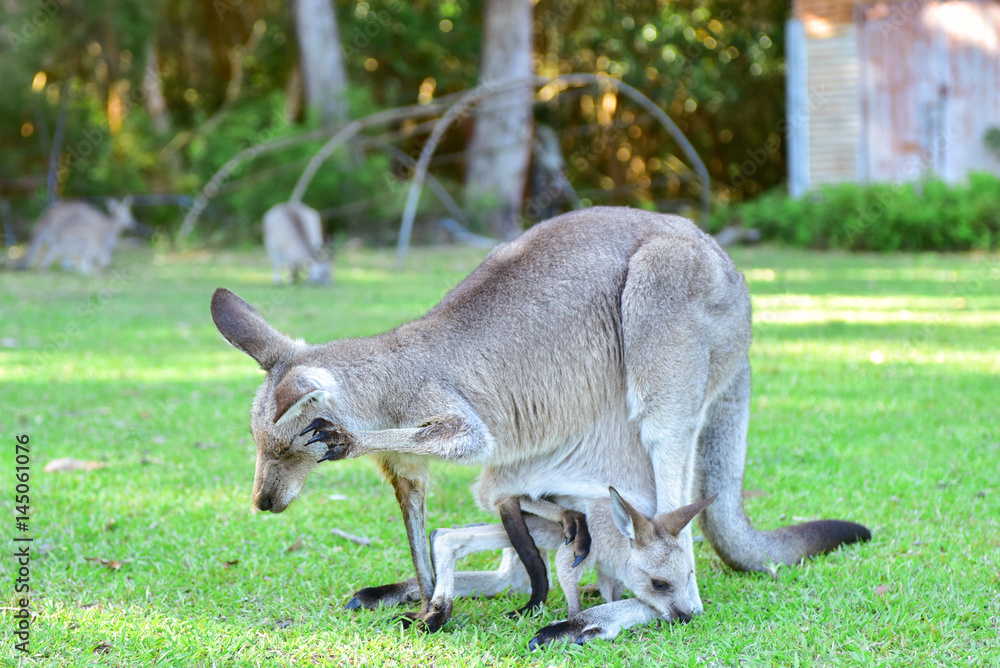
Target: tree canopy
[{"x": 228, "y": 74}]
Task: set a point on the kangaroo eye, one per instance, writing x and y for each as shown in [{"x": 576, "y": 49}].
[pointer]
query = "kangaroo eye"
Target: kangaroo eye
[{"x": 661, "y": 585}]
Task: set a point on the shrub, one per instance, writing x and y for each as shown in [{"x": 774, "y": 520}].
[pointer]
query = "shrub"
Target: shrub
[{"x": 927, "y": 215}]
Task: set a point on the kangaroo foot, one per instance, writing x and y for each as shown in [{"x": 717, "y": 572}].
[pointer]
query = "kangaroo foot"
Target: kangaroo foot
[
  {"x": 571, "y": 630},
  {"x": 372, "y": 598}
]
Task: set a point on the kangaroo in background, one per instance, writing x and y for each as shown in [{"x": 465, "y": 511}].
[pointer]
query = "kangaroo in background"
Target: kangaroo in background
[
  {"x": 598, "y": 325},
  {"x": 78, "y": 234},
  {"x": 629, "y": 550},
  {"x": 293, "y": 236}
]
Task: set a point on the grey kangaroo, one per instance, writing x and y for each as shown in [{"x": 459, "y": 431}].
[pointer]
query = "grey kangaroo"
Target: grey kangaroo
[
  {"x": 78, "y": 234},
  {"x": 293, "y": 236},
  {"x": 598, "y": 325},
  {"x": 629, "y": 550}
]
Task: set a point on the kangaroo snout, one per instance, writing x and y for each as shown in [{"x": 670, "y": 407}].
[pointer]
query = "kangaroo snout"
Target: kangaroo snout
[{"x": 262, "y": 502}]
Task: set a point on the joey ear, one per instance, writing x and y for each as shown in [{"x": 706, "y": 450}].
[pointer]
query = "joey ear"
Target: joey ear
[
  {"x": 633, "y": 524},
  {"x": 674, "y": 521},
  {"x": 293, "y": 392},
  {"x": 247, "y": 330}
]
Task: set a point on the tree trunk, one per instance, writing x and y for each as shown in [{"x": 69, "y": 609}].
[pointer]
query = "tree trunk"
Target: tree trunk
[
  {"x": 500, "y": 148},
  {"x": 321, "y": 60},
  {"x": 156, "y": 103}
]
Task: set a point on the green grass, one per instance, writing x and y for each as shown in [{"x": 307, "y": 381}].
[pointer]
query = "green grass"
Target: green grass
[{"x": 875, "y": 400}]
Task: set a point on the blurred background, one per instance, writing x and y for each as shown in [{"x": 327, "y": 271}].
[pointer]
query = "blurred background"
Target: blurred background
[{"x": 864, "y": 125}]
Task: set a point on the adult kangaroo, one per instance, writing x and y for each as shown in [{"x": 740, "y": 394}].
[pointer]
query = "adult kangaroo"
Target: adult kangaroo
[
  {"x": 79, "y": 234},
  {"x": 596, "y": 326}
]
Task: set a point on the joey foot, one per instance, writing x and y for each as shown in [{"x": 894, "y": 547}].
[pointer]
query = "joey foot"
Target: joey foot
[
  {"x": 571, "y": 630},
  {"x": 372, "y": 598},
  {"x": 338, "y": 440}
]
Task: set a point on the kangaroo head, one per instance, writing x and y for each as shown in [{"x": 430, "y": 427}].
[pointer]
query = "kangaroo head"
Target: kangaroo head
[
  {"x": 121, "y": 213},
  {"x": 319, "y": 268},
  {"x": 657, "y": 568},
  {"x": 288, "y": 399}
]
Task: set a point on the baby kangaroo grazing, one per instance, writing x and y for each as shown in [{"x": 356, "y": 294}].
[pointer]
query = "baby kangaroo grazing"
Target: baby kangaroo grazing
[{"x": 629, "y": 550}]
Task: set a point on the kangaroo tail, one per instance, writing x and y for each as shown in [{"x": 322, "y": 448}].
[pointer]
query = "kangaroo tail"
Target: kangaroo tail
[{"x": 722, "y": 462}]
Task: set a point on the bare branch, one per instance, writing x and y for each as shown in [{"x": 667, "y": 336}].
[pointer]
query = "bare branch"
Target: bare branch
[
  {"x": 487, "y": 90},
  {"x": 379, "y": 118}
]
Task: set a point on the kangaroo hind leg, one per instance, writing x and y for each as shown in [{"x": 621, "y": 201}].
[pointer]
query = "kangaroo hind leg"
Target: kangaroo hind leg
[{"x": 721, "y": 463}]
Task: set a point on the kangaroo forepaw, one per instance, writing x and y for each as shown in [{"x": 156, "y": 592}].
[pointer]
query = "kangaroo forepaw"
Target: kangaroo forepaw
[
  {"x": 338, "y": 440},
  {"x": 406, "y": 620},
  {"x": 433, "y": 620},
  {"x": 573, "y": 631},
  {"x": 429, "y": 621},
  {"x": 576, "y": 531},
  {"x": 316, "y": 425}
]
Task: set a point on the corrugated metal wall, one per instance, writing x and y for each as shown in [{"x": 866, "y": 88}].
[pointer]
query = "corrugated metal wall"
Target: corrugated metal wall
[{"x": 931, "y": 89}]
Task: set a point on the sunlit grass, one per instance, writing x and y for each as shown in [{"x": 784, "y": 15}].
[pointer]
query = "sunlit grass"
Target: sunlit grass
[{"x": 875, "y": 399}]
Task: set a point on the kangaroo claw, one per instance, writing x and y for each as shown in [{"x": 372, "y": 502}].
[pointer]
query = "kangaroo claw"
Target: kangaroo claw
[
  {"x": 315, "y": 425},
  {"x": 337, "y": 439},
  {"x": 576, "y": 531}
]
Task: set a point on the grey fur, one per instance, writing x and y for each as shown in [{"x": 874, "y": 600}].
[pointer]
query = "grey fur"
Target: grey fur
[
  {"x": 629, "y": 550},
  {"x": 605, "y": 346}
]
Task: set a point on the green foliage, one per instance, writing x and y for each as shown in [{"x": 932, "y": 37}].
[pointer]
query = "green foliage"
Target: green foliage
[
  {"x": 715, "y": 66},
  {"x": 717, "y": 69},
  {"x": 929, "y": 215}
]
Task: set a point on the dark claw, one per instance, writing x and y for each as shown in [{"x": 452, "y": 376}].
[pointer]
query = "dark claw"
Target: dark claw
[
  {"x": 333, "y": 453},
  {"x": 353, "y": 604},
  {"x": 338, "y": 440},
  {"x": 315, "y": 425},
  {"x": 576, "y": 531}
]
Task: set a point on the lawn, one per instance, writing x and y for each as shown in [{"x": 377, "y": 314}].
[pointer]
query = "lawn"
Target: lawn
[{"x": 875, "y": 399}]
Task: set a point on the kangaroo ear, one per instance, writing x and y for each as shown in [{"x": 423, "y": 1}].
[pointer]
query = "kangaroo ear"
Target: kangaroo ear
[
  {"x": 674, "y": 521},
  {"x": 247, "y": 330},
  {"x": 633, "y": 524},
  {"x": 298, "y": 388}
]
